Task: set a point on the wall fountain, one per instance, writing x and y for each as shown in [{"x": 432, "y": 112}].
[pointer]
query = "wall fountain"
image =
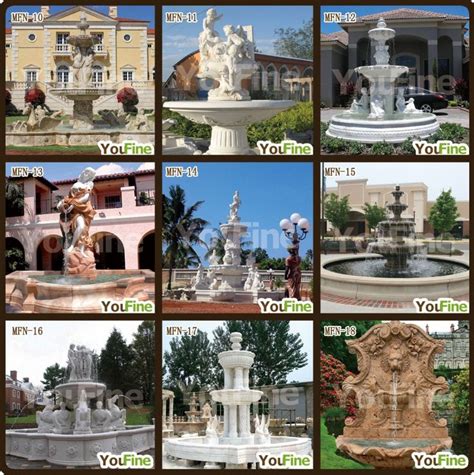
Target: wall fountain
[
  {"x": 402, "y": 273},
  {"x": 229, "y": 109},
  {"x": 74, "y": 433},
  {"x": 394, "y": 393},
  {"x": 372, "y": 118},
  {"x": 236, "y": 447}
]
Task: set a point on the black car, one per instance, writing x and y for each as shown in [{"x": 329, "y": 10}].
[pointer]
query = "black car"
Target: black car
[{"x": 425, "y": 100}]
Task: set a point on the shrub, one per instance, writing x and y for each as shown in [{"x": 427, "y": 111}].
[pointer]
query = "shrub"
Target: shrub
[
  {"x": 8, "y": 97},
  {"x": 355, "y": 148},
  {"x": 406, "y": 147},
  {"x": 453, "y": 132},
  {"x": 461, "y": 88},
  {"x": 464, "y": 104},
  {"x": 460, "y": 397},
  {"x": 382, "y": 148},
  {"x": 128, "y": 97},
  {"x": 35, "y": 96}
]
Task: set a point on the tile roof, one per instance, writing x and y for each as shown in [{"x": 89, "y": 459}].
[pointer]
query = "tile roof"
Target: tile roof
[
  {"x": 109, "y": 177},
  {"x": 340, "y": 36},
  {"x": 409, "y": 13}
]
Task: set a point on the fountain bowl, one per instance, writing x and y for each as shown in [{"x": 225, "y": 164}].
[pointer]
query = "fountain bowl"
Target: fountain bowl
[
  {"x": 401, "y": 289},
  {"x": 379, "y": 71},
  {"x": 390, "y": 453},
  {"x": 236, "y": 396},
  {"x": 71, "y": 391}
]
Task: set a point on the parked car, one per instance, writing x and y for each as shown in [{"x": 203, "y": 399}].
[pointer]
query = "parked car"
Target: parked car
[{"x": 425, "y": 100}]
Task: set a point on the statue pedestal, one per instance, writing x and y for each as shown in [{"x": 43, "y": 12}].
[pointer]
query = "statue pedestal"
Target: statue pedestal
[{"x": 80, "y": 265}]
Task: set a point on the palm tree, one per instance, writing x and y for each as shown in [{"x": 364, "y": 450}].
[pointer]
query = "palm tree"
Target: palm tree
[
  {"x": 218, "y": 242},
  {"x": 181, "y": 229}
]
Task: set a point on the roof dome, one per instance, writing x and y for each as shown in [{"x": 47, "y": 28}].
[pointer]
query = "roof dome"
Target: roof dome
[
  {"x": 146, "y": 166},
  {"x": 109, "y": 169}
]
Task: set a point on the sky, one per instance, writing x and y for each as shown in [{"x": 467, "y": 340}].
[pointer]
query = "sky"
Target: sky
[
  {"x": 434, "y": 325},
  {"x": 269, "y": 192},
  {"x": 369, "y": 10},
  {"x": 304, "y": 328},
  {"x": 30, "y": 355},
  {"x": 125, "y": 11},
  {"x": 437, "y": 176},
  {"x": 180, "y": 39},
  {"x": 66, "y": 170}
]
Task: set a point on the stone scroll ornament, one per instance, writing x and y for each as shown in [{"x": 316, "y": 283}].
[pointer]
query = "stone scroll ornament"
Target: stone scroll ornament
[{"x": 394, "y": 394}]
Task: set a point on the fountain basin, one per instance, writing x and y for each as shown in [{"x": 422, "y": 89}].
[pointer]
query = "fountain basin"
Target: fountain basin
[
  {"x": 26, "y": 293},
  {"x": 398, "y": 289},
  {"x": 390, "y": 453},
  {"x": 83, "y": 93},
  {"x": 236, "y": 396},
  {"x": 77, "y": 449},
  {"x": 196, "y": 448},
  {"x": 382, "y": 71},
  {"x": 394, "y": 128},
  {"x": 72, "y": 390},
  {"x": 229, "y": 120}
]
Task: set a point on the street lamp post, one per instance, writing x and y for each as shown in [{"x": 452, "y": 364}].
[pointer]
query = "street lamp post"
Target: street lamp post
[{"x": 295, "y": 229}]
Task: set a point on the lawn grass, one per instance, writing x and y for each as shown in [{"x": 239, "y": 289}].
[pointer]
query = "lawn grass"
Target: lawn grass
[
  {"x": 329, "y": 458},
  {"x": 139, "y": 416},
  {"x": 70, "y": 149},
  {"x": 21, "y": 420}
]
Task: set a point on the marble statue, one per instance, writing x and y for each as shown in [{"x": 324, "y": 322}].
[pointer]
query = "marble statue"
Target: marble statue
[
  {"x": 411, "y": 108},
  {"x": 262, "y": 434},
  {"x": 114, "y": 118},
  {"x": 361, "y": 105},
  {"x": 140, "y": 121},
  {"x": 227, "y": 61},
  {"x": 212, "y": 436},
  {"x": 82, "y": 56},
  {"x": 199, "y": 281},
  {"x": 62, "y": 420},
  {"x": 37, "y": 120},
  {"x": 214, "y": 259},
  {"x": 118, "y": 416},
  {"x": 83, "y": 416},
  {"x": 167, "y": 124},
  {"x": 75, "y": 220},
  {"x": 249, "y": 281},
  {"x": 206, "y": 411},
  {"x": 257, "y": 283},
  {"x": 45, "y": 419},
  {"x": 234, "y": 208},
  {"x": 80, "y": 361},
  {"x": 101, "y": 418},
  {"x": 400, "y": 102},
  {"x": 293, "y": 273},
  {"x": 377, "y": 110}
]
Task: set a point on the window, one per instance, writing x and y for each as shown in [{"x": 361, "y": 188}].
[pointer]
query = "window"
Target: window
[
  {"x": 113, "y": 202},
  {"x": 63, "y": 74},
  {"x": 14, "y": 393},
  {"x": 127, "y": 75},
  {"x": 31, "y": 76},
  {"x": 127, "y": 38},
  {"x": 97, "y": 74},
  {"x": 98, "y": 48},
  {"x": 61, "y": 42},
  {"x": 31, "y": 37}
]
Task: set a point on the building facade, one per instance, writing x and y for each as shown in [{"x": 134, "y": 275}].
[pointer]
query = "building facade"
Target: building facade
[
  {"x": 278, "y": 76},
  {"x": 123, "y": 228},
  {"x": 39, "y": 54},
  {"x": 456, "y": 346},
  {"x": 428, "y": 43},
  {"x": 415, "y": 197},
  {"x": 19, "y": 393}
]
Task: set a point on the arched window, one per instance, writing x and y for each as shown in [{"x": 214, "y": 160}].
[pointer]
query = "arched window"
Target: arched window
[
  {"x": 271, "y": 77},
  {"x": 62, "y": 74},
  {"x": 97, "y": 74}
]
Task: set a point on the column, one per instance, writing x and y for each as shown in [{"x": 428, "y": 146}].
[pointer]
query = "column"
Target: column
[
  {"x": 244, "y": 410},
  {"x": 457, "y": 59},
  {"x": 352, "y": 59},
  {"x": 171, "y": 426},
  {"x": 227, "y": 378},
  {"x": 226, "y": 421},
  {"x": 163, "y": 414},
  {"x": 233, "y": 421},
  {"x": 432, "y": 59},
  {"x": 246, "y": 378},
  {"x": 238, "y": 378}
]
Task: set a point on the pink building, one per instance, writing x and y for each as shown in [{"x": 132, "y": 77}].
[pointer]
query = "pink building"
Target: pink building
[{"x": 123, "y": 228}]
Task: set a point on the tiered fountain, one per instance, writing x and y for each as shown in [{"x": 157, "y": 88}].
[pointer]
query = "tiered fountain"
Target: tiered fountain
[
  {"x": 394, "y": 392},
  {"x": 229, "y": 109},
  {"x": 372, "y": 118},
  {"x": 225, "y": 281},
  {"x": 402, "y": 274},
  {"x": 236, "y": 447},
  {"x": 74, "y": 433}
]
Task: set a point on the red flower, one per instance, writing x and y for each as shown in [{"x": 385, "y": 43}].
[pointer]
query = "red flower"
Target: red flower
[
  {"x": 127, "y": 96},
  {"x": 35, "y": 96}
]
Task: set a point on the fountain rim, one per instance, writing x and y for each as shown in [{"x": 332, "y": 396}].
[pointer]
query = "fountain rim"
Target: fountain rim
[
  {"x": 394, "y": 281},
  {"x": 225, "y": 105}
]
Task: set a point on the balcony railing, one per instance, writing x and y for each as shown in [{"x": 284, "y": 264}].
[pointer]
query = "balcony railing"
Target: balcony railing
[
  {"x": 100, "y": 49},
  {"x": 62, "y": 49},
  {"x": 145, "y": 197}
]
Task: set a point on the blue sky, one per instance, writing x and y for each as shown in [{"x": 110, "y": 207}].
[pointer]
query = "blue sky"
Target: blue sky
[
  {"x": 134, "y": 11},
  {"x": 303, "y": 327},
  {"x": 369, "y": 10},
  {"x": 180, "y": 39},
  {"x": 63, "y": 171},
  {"x": 269, "y": 193}
]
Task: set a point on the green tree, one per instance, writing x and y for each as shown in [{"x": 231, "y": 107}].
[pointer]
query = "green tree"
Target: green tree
[
  {"x": 260, "y": 254},
  {"x": 143, "y": 351},
  {"x": 336, "y": 346},
  {"x": 181, "y": 229},
  {"x": 115, "y": 364},
  {"x": 53, "y": 376},
  {"x": 218, "y": 242},
  {"x": 15, "y": 199},
  {"x": 444, "y": 213},
  {"x": 460, "y": 397},
  {"x": 15, "y": 259},
  {"x": 374, "y": 214},
  {"x": 278, "y": 352},
  {"x": 296, "y": 43},
  {"x": 337, "y": 211}
]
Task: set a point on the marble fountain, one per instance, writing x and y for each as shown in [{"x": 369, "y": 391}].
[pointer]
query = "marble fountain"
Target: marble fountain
[
  {"x": 396, "y": 267},
  {"x": 42, "y": 130},
  {"x": 394, "y": 393},
  {"x": 229, "y": 109},
  {"x": 236, "y": 446},
  {"x": 73, "y": 433},
  {"x": 80, "y": 287},
  {"x": 372, "y": 118}
]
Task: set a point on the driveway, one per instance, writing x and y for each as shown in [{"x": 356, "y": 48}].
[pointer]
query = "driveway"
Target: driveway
[{"x": 450, "y": 115}]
